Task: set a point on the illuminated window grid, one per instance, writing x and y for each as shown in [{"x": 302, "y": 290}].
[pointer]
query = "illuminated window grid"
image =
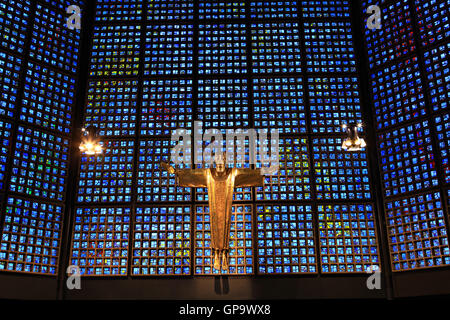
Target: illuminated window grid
[
  {"x": 348, "y": 240},
  {"x": 275, "y": 47},
  {"x": 167, "y": 105},
  {"x": 222, "y": 49},
  {"x": 100, "y": 241},
  {"x": 442, "y": 123},
  {"x": 278, "y": 103},
  {"x": 155, "y": 184},
  {"x": 329, "y": 47},
  {"x": 162, "y": 241},
  {"x": 326, "y": 9},
  {"x": 223, "y": 103},
  {"x": 395, "y": 39},
  {"x": 438, "y": 76},
  {"x": 397, "y": 93},
  {"x": 273, "y": 9},
  {"x": 407, "y": 159},
  {"x": 340, "y": 175},
  {"x": 292, "y": 181},
  {"x": 240, "y": 257},
  {"x": 40, "y": 164},
  {"x": 433, "y": 20},
  {"x": 114, "y": 11},
  {"x": 10, "y": 67},
  {"x": 63, "y": 4},
  {"x": 285, "y": 239},
  {"x": 417, "y": 233},
  {"x": 111, "y": 107},
  {"x": 14, "y": 16},
  {"x": 169, "y": 49},
  {"x": 48, "y": 99},
  {"x": 115, "y": 50},
  {"x": 107, "y": 177},
  {"x": 5, "y": 149},
  {"x": 31, "y": 236},
  {"x": 52, "y": 42},
  {"x": 228, "y": 9},
  {"x": 334, "y": 101},
  {"x": 170, "y": 10}
]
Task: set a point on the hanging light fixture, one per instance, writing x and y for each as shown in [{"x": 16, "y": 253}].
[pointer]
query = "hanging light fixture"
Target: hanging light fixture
[
  {"x": 90, "y": 142},
  {"x": 353, "y": 142}
]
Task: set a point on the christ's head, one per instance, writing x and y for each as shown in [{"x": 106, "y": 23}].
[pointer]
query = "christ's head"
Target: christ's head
[{"x": 220, "y": 162}]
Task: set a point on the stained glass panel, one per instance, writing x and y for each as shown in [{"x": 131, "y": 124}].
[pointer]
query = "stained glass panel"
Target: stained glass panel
[
  {"x": 395, "y": 38},
  {"x": 100, "y": 241},
  {"x": 107, "y": 177},
  {"x": 169, "y": 49},
  {"x": 166, "y": 106},
  {"x": 241, "y": 244},
  {"x": 407, "y": 159},
  {"x": 52, "y": 42},
  {"x": 348, "y": 241},
  {"x": 326, "y": 9},
  {"x": 223, "y": 103},
  {"x": 115, "y": 50},
  {"x": 273, "y": 9},
  {"x": 14, "y": 20},
  {"x": 433, "y": 20},
  {"x": 63, "y": 4},
  {"x": 5, "y": 149},
  {"x": 40, "y": 164},
  {"x": 10, "y": 67},
  {"x": 111, "y": 107},
  {"x": 115, "y": 11},
  {"x": 285, "y": 239},
  {"x": 228, "y": 9},
  {"x": 275, "y": 47},
  {"x": 162, "y": 241},
  {"x": 443, "y": 136},
  {"x": 222, "y": 49},
  {"x": 417, "y": 233},
  {"x": 438, "y": 76},
  {"x": 334, "y": 101},
  {"x": 340, "y": 175},
  {"x": 278, "y": 103},
  {"x": 329, "y": 47},
  {"x": 155, "y": 183},
  {"x": 170, "y": 10},
  {"x": 31, "y": 236},
  {"x": 397, "y": 93},
  {"x": 48, "y": 99},
  {"x": 292, "y": 182}
]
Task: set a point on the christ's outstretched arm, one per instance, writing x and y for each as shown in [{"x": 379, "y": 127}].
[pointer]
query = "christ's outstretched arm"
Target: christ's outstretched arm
[
  {"x": 194, "y": 178},
  {"x": 249, "y": 178}
]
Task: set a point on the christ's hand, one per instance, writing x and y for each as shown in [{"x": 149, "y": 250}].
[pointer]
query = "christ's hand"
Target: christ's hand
[{"x": 168, "y": 167}]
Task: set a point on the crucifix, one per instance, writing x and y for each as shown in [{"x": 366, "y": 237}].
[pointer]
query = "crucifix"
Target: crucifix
[{"x": 220, "y": 182}]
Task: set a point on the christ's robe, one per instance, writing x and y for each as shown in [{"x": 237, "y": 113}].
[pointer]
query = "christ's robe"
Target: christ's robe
[{"x": 220, "y": 196}]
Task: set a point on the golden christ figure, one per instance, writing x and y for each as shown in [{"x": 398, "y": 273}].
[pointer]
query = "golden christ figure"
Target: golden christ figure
[{"x": 220, "y": 182}]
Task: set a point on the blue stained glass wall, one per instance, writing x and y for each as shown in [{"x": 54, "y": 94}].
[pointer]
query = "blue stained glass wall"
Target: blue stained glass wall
[
  {"x": 409, "y": 84},
  {"x": 39, "y": 62},
  {"x": 157, "y": 66}
]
